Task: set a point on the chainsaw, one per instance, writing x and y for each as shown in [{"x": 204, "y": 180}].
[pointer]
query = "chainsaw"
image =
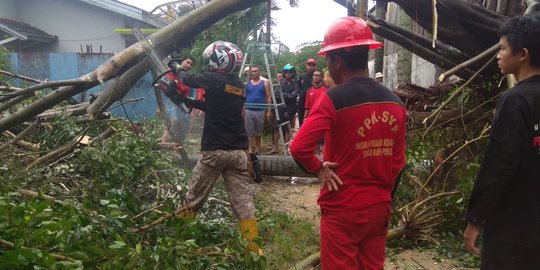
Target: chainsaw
[{"x": 166, "y": 81}]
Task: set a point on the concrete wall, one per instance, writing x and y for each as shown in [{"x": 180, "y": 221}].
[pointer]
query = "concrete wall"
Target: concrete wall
[
  {"x": 423, "y": 72},
  {"x": 62, "y": 66},
  {"x": 75, "y": 23}
]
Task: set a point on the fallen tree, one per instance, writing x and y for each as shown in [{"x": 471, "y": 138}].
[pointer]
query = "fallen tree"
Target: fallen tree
[{"x": 127, "y": 65}]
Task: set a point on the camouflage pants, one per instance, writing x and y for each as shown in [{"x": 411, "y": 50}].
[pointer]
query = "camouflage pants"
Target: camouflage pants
[{"x": 232, "y": 164}]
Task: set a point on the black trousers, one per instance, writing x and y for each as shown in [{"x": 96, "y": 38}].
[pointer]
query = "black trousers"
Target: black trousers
[{"x": 498, "y": 256}]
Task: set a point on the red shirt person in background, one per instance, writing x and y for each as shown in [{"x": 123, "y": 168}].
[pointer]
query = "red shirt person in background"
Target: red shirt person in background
[
  {"x": 363, "y": 124},
  {"x": 316, "y": 89}
]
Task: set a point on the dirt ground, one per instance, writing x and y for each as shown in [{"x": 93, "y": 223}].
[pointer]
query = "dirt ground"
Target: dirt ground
[{"x": 300, "y": 200}]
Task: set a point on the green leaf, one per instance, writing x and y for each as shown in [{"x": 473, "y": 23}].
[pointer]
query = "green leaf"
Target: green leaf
[{"x": 117, "y": 245}]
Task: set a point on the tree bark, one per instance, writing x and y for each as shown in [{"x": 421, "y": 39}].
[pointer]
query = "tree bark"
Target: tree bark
[
  {"x": 165, "y": 40},
  {"x": 464, "y": 25}
]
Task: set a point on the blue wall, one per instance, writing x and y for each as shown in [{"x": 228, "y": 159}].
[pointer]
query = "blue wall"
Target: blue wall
[{"x": 63, "y": 66}]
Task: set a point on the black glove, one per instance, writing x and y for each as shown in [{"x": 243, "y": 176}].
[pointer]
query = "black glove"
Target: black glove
[{"x": 175, "y": 64}]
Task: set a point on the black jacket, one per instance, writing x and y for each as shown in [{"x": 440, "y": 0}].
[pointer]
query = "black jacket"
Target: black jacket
[
  {"x": 290, "y": 90},
  {"x": 506, "y": 195},
  {"x": 224, "y": 101},
  {"x": 304, "y": 83}
]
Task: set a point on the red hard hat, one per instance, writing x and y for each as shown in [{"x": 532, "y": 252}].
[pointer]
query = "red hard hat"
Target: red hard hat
[
  {"x": 348, "y": 32},
  {"x": 311, "y": 61}
]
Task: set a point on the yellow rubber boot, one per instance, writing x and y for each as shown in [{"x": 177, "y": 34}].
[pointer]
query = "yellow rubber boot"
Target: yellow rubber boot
[{"x": 248, "y": 230}]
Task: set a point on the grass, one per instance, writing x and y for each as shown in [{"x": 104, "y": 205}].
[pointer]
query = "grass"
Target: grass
[{"x": 287, "y": 240}]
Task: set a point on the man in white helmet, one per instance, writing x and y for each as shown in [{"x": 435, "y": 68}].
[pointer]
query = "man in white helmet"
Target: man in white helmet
[{"x": 224, "y": 141}]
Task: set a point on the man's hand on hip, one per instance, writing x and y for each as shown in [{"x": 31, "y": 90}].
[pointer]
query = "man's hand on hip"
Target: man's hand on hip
[{"x": 328, "y": 177}]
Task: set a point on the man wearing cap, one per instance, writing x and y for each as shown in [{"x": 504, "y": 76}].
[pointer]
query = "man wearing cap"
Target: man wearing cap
[
  {"x": 305, "y": 83},
  {"x": 379, "y": 77},
  {"x": 363, "y": 124}
]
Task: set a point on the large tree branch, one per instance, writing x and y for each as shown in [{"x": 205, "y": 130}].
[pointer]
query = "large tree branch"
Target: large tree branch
[
  {"x": 165, "y": 40},
  {"x": 462, "y": 24}
]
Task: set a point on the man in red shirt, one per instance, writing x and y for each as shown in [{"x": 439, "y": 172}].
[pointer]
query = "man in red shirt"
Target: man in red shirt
[
  {"x": 317, "y": 88},
  {"x": 363, "y": 124}
]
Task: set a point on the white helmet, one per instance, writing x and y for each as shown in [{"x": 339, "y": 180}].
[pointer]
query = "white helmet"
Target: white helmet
[{"x": 225, "y": 57}]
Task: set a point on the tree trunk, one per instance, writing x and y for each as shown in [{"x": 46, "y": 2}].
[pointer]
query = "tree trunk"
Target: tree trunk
[
  {"x": 380, "y": 12},
  {"x": 165, "y": 40},
  {"x": 467, "y": 26}
]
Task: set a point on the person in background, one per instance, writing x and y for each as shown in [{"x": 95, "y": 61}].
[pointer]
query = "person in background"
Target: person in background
[
  {"x": 504, "y": 201},
  {"x": 315, "y": 91},
  {"x": 290, "y": 89},
  {"x": 363, "y": 124},
  {"x": 379, "y": 77},
  {"x": 305, "y": 83},
  {"x": 224, "y": 141},
  {"x": 258, "y": 100},
  {"x": 176, "y": 121}
]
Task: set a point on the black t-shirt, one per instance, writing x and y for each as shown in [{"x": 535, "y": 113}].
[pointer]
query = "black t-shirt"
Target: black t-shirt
[
  {"x": 225, "y": 96},
  {"x": 505, "y": 198}
]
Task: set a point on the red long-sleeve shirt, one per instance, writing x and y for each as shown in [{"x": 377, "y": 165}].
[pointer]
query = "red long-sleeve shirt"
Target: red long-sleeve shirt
[{"x": 363, "y": 124}]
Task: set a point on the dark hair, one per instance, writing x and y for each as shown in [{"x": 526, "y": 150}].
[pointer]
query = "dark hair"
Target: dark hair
[
  {"x": 355, "y": 58},
  {"x": 189, "y": 57},
  {"x": 523, "y": 31}
]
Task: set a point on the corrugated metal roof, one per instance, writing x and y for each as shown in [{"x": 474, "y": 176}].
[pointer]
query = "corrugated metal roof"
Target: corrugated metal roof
[
  {"x": 24, "y": 32},
  {"x": 125, "y": 10}
]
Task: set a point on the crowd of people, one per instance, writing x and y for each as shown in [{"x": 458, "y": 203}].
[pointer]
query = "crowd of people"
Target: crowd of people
[{"x": 362, "y": 124}]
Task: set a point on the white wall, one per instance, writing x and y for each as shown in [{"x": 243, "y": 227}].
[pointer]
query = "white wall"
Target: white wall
[
  {"x": 423, "y": 72},
  {"x": 75, "y": 23}
]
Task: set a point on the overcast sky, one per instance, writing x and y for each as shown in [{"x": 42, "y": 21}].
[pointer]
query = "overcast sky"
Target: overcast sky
[{"x": 308, "y": 22}]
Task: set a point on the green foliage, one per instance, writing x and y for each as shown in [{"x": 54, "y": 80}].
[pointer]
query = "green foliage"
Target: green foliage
[
  {"x": 4, "y": 63},
  {"x": 424, "y": 153},
  {"x": 100, "y": 191},
  {"x": 236, "y": 28},
  {"x": 298, "y": 59}
]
